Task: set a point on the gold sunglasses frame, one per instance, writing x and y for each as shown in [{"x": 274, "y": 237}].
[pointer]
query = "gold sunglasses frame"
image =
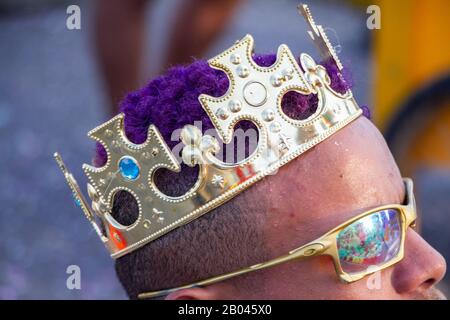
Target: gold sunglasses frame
[{"x": 324, "y": 245}]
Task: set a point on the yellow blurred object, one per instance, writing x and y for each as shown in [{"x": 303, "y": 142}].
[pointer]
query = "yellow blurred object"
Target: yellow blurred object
[{"x": 411, "y": 49}]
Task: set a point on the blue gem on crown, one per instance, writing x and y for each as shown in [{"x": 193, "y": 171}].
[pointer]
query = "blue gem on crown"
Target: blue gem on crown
[
  {"x": 76, "y": 199},
  {"x": 129, "y": 168}
]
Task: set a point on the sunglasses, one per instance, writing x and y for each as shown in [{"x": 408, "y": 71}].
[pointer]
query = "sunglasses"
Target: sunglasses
[{"x": 372, "y": 241}]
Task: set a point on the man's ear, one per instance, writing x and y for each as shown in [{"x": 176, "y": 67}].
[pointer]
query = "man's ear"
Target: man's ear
[{"x": 198, "y": 293}]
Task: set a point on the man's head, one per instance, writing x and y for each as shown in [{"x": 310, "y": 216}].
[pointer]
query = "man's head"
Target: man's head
[{"x": 346, "y": 174}]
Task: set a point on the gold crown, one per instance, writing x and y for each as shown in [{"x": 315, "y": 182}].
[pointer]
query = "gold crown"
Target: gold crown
[{"x": 254, "y": 94}]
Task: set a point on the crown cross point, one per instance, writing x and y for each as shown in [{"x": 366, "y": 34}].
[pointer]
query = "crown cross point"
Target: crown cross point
[{"x": 254, "y": 90}]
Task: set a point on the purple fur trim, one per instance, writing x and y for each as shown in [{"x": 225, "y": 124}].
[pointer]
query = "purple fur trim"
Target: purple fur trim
[
  {"x": 366, "y": 112},
  {"x": 171, "y": 101},
  {"x": 340, "y": 81}
]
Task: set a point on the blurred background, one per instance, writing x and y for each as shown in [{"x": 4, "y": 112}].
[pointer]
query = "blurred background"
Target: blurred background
[{"x": 57, "y": 83}]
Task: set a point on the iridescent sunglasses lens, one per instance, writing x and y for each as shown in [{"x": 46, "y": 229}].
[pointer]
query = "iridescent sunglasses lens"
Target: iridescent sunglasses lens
[{"x": 370, "y": 242}]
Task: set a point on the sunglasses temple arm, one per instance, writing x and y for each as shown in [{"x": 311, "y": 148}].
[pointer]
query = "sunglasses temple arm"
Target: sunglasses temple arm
[{"x": 411, "y": 209}]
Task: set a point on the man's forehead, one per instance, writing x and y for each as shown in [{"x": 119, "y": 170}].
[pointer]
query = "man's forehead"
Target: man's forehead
[{"x": 341, "y": 177}]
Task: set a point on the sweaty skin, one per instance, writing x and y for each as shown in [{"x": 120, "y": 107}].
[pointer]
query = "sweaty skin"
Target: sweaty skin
[{"x": 347, "y": 174}]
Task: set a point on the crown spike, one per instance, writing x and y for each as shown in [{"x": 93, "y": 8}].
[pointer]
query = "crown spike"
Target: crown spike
[
  {"x": 319, "y": 36},
  {"x": 79, "y": 198}
]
